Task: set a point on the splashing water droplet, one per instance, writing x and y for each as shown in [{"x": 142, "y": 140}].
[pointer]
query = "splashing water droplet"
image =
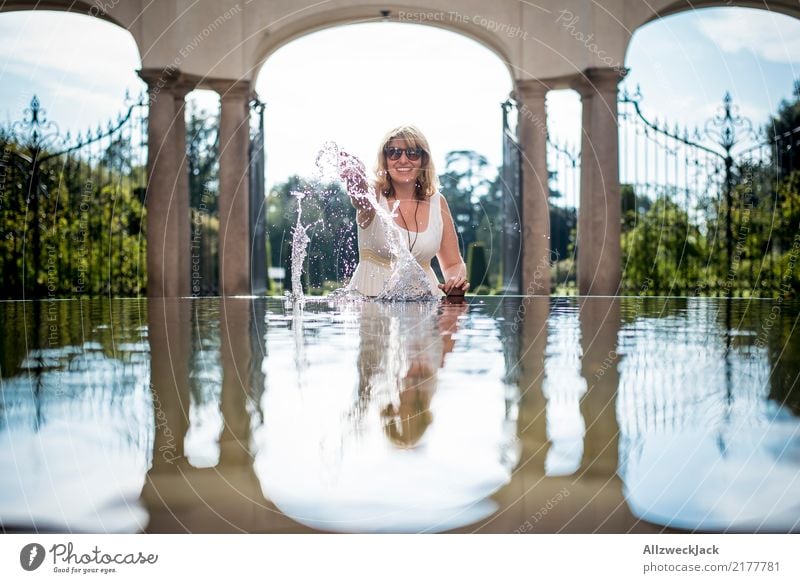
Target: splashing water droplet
[{"x": 408, "y": 280}]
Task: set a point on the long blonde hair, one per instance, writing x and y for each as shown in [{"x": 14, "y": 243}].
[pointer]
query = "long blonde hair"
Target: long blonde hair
[{"x": 428, "y": 181}]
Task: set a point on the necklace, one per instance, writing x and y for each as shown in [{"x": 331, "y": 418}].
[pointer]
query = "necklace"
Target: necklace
[{"x": 408, "y": 233}]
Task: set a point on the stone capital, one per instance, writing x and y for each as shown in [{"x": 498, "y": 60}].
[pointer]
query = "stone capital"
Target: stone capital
[
  {"x": 168, "y": 80},
  {"x": 162, "y": 78},
  {"x": 528, "y": 90},
  {"x": 596, "y": 80},
  {"x": 233, "y": 88}
]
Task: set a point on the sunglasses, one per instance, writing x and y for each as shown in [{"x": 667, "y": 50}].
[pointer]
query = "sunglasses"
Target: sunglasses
[{"x": 413, "y": 154}]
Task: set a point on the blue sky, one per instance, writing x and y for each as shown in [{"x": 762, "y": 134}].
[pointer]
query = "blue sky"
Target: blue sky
[{"x": 80, "y": 68}]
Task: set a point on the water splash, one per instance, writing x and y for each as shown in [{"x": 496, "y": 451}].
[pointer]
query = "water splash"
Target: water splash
[
  {"x": 300, "y": 241},
  {"x": 408, "y": 281}
]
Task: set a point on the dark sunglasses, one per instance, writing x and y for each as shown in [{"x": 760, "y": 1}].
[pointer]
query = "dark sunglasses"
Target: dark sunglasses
[{"x": 413, "y": 154}]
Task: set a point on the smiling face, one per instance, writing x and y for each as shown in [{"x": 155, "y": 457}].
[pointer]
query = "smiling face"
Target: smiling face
[{"x": 403, "y": 169}]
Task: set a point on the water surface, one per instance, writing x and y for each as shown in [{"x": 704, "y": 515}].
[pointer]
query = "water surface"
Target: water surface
[{"x": 501, "y": 415}]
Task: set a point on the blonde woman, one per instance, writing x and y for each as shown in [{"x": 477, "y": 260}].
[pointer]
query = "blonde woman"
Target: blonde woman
[{"x": 406, "y": 178}]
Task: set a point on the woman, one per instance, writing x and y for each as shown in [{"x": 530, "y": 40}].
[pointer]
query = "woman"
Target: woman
[{"x": 405, "y": 178}]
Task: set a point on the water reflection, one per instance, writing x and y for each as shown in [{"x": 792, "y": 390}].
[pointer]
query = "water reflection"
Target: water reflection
[
  {"x": 407, "y": 444},
  {"x": 224, "y": 496},
  {"x": 74, "y": 436},
  {"x": 703, "y": 447},
  {"x": 502, "y": 415}
]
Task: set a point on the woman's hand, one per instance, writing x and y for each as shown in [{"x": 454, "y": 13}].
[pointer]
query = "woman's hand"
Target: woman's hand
[
  {"x": 457, "y": 281},
  {"x": 353, "y": 173}
]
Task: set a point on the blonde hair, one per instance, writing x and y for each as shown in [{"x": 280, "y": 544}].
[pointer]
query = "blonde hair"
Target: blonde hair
[{"x": 428, "y": 181}]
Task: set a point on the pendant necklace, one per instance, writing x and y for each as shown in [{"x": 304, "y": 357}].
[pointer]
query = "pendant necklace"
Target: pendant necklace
[{"x": 408, "y": 233}]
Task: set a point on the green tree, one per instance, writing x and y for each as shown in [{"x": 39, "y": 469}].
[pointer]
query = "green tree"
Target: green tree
[{"x": 786, "y": 119}]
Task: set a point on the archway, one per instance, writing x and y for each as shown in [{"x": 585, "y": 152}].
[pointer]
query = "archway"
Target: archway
[
  {"x": 351, "y": 84},
  {"x": 687, "y": 228}
]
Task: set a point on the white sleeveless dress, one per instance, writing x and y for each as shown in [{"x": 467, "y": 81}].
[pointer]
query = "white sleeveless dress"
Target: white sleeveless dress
[{"x": 374, "y": 265}]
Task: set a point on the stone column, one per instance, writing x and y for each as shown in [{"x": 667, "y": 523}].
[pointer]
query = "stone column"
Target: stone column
[
  {"x": 599, "y": 246},
  {"x": 167, "y": 188},
  {"x": 234, "y": 187},
  {"x": 532, "y": 132},
  {"x": 182, "y": 201}
]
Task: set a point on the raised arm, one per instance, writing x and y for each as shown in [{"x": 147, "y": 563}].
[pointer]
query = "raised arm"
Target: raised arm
[
  {"x": 453, "y": 267},
  {"x": 352, "y": 172}
]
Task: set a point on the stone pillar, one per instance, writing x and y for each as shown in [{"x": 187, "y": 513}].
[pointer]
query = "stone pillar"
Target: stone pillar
[
  {"x": 599, "y": 246},
  {"x": 532, "y": 132},
  {"x": 234, "y": 187},
  {"x": 167, "y": 188},
  {"x": 182, "y": 201}
]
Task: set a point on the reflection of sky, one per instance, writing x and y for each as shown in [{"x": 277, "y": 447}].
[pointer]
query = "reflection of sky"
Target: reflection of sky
[
  {"x": 80, "y": 68},
  {"x": 332, "y": 470},
  {"x": 76, "y": 442},
  {"x": 701, "y": 447}
]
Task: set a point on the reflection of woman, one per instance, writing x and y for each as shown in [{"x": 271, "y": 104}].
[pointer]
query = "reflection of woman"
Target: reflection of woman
[
  {"x": 398, "y": 365},
  {"x": 417, "y": 448},
  {"x": 406, "y": 179},
  {"x": 405, "y": 423}
]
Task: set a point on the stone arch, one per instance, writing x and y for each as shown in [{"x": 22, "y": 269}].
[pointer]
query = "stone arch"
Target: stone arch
[
  {"x": 288, "y": 32},
  {"x": 670, "y": 7},
  {"x": 101, "y": 10}
]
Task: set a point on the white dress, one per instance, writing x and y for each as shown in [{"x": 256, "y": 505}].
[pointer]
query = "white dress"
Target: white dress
[{"x": 374, "y": 265}]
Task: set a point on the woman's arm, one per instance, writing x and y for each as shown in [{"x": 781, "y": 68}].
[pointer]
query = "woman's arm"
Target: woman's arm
[
  {"x": 352, "y": 172},
  {"x": 453, "y": 267}
]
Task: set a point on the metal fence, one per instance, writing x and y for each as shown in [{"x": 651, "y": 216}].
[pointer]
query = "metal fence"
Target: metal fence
[
  {"x": 703, "y": 210},
  {"x": 72, "y": 210}
]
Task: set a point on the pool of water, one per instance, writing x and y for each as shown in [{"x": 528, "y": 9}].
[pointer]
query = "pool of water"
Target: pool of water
[{"x": 499, "y": 415}]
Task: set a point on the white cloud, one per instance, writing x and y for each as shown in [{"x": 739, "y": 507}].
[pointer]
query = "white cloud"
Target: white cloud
[{"x": 773, "y": 37}]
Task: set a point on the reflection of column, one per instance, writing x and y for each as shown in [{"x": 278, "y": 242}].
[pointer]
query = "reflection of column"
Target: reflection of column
[
  {"x": 527, "y": 490},
  {"x": 600, "y": 323},
  {"x": 167, "y": 190},
  {"x": 599, "y": 214},
  {"x": 234, "y": 188},
  {"x": 532, "y": 132},
  {"x": 227, "y": 497},
  {"x": 169, "y": 335},
  {"x": 237, "y": 366}
]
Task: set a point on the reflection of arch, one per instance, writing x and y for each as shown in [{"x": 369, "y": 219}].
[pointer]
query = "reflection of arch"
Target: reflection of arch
[
  {"x": 288, "y": 32},
  {"x": 74, "y": 7}
]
